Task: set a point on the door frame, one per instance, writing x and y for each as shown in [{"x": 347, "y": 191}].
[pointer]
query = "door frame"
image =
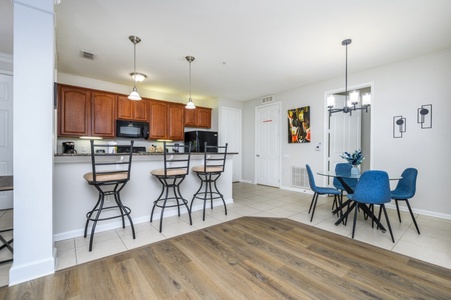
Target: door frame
[
  {"x": 279, "y": 141},
  {"x": 326, "y": 121},
  {"x": 222, "y": 129}
]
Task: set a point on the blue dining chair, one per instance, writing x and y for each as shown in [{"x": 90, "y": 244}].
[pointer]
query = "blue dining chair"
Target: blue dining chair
[
  {"x": 405, "y": 190},
  {"x": 318, "y": 191},
  {"x": 343, "y": 169},
  {"x": 373, "y": 188}
]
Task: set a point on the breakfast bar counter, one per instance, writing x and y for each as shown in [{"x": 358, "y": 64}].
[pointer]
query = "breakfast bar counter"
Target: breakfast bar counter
[{"x": 73, "y": 197}]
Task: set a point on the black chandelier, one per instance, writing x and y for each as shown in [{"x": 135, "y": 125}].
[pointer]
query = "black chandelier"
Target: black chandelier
[{"x": 353, "y": 98}]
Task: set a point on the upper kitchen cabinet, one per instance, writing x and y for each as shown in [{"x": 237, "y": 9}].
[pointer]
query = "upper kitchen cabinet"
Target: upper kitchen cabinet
[
  {"x": 85, "y": 112},
  {"x": 158, "y": 119},
  {"x": 131, "y": 110},
  {"x": 176, "y": 118},
  {"x": 166, "y": 120},
  {"x": 74, "y": 111},
  {"x": 103, "y": 114},
  {"x": 198, "y": 117}
]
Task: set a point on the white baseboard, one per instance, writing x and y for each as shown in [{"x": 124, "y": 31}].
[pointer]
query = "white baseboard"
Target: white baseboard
[{"x": 25, "y": 272}]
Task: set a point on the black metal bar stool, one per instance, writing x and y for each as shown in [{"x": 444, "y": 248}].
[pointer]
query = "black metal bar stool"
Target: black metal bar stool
[
  {"x": 176, "y": 167},
  {"x": 209, "y": 173},
  {"x": 6, "y": 184},
  {"x": 110, "y": 173}
]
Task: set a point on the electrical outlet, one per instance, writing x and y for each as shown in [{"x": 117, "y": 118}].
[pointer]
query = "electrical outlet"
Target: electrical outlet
[
  {"x": 107, "y": 198},
  {"x": 83, "y": 149}
]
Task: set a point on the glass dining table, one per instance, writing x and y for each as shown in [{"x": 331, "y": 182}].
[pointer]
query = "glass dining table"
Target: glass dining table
[{"x": 349, "y": 203}]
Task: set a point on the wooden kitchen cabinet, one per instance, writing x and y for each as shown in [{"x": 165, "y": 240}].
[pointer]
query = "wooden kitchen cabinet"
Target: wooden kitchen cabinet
[
  {"x": 103, "y": 114},
  {"x": 158, "y": 119},
  {"x": 166, "y": 120},
  {"x": 131, "y": 110},
  {"x": 198, "y": 117},
  {"x": 87, "y": 112},
  {"x": 176, "y": 116},
  {"x": 74, "y": 111}
]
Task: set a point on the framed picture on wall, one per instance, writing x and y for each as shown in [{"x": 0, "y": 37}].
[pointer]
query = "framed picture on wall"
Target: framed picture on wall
[{"x": 299, "y": 125}]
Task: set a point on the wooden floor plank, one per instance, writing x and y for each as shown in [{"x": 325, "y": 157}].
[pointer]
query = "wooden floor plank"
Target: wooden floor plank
[{"x": 246, "y": 258}]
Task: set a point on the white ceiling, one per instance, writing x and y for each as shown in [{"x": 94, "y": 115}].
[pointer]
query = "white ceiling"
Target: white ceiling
[{"x": 244, "y": 49}]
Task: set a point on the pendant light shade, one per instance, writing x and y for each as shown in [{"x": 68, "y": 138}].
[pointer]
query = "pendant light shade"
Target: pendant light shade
[
  {"x": 190, "y": 104},
  {"x": 134, "y": 94}
]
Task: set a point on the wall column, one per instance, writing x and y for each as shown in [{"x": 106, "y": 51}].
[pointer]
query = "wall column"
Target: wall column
[{"x": 33, "y": 140}]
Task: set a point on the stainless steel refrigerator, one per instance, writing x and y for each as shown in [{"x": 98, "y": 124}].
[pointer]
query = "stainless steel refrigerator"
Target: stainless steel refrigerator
[{"x": 198, "y": 139}]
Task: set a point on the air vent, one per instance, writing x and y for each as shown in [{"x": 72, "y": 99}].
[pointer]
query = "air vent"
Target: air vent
[
  {"x": 87, "y": 55},
  {"x": 299, "y": 177},
  {"x": 268, "y": 99}
]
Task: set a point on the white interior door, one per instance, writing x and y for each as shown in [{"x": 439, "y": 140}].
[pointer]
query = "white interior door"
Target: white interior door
[
  {"x": 344, "y": 134},
  {"x": 268, "y": 145},
  {"x": 230, "y": 129},
  {"x": 6, "y": 135}
]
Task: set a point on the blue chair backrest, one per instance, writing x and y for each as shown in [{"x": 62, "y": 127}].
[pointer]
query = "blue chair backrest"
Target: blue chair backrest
[
  {"x": 373, "y": 188},
  {"x": 407, "y": 186},
  {"x": 344, "y": 169},
  {"x": 311, "y": 179}
]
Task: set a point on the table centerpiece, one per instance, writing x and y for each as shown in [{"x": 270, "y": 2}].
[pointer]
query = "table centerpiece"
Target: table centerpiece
[{"x": 355, "y": 159}]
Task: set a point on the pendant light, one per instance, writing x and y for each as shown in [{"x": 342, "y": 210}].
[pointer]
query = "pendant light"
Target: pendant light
[
  {"x": 190, "y": 104},
  {"x": 353, "y": 98},
  {"x": 134, "y": 94}
]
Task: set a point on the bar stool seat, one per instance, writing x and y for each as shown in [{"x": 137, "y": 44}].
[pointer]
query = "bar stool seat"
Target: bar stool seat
[
  {"x": 209, "y": 173},
  {"x": 110, "y": 173},
  {"x": 176, "y": 168}
]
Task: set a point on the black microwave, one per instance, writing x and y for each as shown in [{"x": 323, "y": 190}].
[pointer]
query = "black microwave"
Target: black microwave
[{"x": 132, "y": 129}]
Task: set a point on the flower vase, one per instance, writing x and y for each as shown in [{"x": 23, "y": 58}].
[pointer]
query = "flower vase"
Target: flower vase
[{"x": 355, "y": 170}]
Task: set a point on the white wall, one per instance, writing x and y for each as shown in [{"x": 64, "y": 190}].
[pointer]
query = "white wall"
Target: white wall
[{"x": 399, "y": 89}]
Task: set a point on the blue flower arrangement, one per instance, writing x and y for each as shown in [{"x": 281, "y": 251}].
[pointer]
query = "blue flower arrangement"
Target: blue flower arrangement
[{"x": 355, "y": 158}]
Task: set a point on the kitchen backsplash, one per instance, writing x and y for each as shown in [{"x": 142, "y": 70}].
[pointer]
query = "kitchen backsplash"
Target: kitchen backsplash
[{"x": 84, "y": 146}]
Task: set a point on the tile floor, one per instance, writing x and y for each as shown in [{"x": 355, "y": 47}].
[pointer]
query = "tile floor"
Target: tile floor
[{"x": 433, "y": 245}]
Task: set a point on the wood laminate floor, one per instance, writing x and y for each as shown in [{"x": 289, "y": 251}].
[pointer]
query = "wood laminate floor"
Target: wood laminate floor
[{"x": 246, "y": 258}]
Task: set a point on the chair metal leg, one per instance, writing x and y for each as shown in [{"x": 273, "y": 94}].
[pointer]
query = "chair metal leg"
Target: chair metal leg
[
  {"x": 185, "y": 203},
  {"x": 314, "y": 200},
  {"x": 94, "y": 222},
  {"x": 413, "y": 217},
  {"x": 397, "y": 209},
  {"x": 355, "y": 220},
  {"x": 124, "y": 212},
  {"x": 311, "y": 203},
  {"x": 388, "y": 222},
  {"x": 89, "y": 214},
  {"x": 220, "y": 195}
]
